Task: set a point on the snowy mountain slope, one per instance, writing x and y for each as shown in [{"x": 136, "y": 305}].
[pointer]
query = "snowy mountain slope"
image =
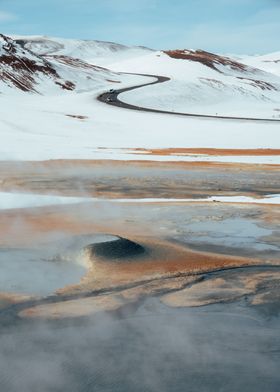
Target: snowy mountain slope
[
  {"x": 23, "y": 70},
  {"x": 96, "y": 52},
  {"x": 74, "y": 125},
  {"x": 204, "y": 83},
  {"x": 201, "y": 82},
  {"x": 269, "y": 62},
  {"x": 85, "y": 76}
]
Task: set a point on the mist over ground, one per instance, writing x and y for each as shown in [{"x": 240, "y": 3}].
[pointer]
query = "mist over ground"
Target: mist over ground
[
  {"x": 139, "y": 214},
  {"x": 225, "y": 347}
]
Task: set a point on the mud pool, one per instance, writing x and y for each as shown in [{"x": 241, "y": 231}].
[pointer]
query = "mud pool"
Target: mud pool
[
  {"x": 224, "y": 347},
  {"x": 43, "y": 270},
  {"x": 29, "y": 272}
]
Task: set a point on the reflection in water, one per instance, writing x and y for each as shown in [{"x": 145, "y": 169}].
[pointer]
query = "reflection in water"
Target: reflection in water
[
  {"x": 27, "y": 271},
  {"x": 238, "y": 233},
  {"x": 51, "y": 266},
  {"x": 222, "y": 347}
]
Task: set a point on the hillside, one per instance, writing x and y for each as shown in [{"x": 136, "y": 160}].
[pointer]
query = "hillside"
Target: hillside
[
  {"x": 268, "y": 62},
  {"x": 87, "y": 50},
  {"x": 66, "y": 121},
  {"x": 204, "y": 83},
  {"x": 23, "y": 70}
]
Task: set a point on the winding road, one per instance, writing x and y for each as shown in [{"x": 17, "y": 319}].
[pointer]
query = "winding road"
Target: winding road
[{"x": 112, "y": 98}]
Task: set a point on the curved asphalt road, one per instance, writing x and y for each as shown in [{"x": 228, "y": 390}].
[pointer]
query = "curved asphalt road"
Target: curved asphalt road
[{"x": 112, "y": 98}]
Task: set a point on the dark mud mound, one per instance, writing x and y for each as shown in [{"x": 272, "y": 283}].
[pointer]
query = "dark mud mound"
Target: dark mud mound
[{"x": 119, "y": 248}]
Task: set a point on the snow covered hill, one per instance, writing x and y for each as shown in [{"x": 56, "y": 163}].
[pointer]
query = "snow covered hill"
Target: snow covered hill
[
  {"x": 65, "y": 121},
  {"x": 204, "y": 83},
  {"x": 268, "y": 62},
  {"x": 88, "y": 50},
  {"x": 201, "y": 82},
  {"x": 84, "y": 76},
  {"x": 22, "y": 69}
]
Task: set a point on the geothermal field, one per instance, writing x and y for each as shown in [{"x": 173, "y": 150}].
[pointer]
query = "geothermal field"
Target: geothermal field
[{"x": 139, "y": 218}]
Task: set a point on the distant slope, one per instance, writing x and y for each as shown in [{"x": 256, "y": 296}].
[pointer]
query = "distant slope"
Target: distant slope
[
  {"x": 62, "y": 124},
  {"x": 204, "y": 83},
  {"x": 201, "y": 82},
  {"x": 85, "y": 76},
  {"x": 268, "y": 62},
  {"x": 23, "y": 70},
  {"x": 96, "y": 52}
]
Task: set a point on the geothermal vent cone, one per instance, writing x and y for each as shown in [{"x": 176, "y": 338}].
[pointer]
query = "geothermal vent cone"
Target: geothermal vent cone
[{"x": 118, "y": 248}]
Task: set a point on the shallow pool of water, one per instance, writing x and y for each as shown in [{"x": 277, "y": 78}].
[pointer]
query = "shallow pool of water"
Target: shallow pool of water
[
  {"x": 232, "y": 232},
  {"x": 28, "y": 272},
  {"x": 49, "y": 267}
]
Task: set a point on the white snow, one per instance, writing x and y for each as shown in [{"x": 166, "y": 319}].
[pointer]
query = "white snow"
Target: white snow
[
  {"x": 96, "y": 52},
  {"x": 196, "y": 88},
  {"x": 132, "y": 155},
  {"x": 38, "y": 127},
  {"x": 10, "y": 200},
  {"x": 269, "y": 62}
]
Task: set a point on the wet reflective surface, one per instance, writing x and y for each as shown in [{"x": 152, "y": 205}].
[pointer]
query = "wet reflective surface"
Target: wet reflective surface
[
  {"x": 30, "y": 272},
  {"x": 199, "y": 310},
  {"x": 223, "y": 347}
]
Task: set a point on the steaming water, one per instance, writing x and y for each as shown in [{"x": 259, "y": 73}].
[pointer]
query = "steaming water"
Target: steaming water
[
  {"x": 27, "y": 272},
  {"x": 225, "y": 348},
  {"x": 42, "y": 271}
]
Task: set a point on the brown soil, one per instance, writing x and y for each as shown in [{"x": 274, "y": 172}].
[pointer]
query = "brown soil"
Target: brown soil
[
  {"x": 221, "y": 290},
  {"x": 74, "y": 308},
  {"x": 163, "y": 260},
  {"x": 211, "y": 60},
  {"x": 107, "y": 302},
  {"x": 139, "y": 179},
  {"x": 7, "y": 299},
  {"x": 75, "y": 63},
  {"x": 168, "y": 267},
  {"x": 36, "y": 166},
  {"x": 208, "y": 151}
]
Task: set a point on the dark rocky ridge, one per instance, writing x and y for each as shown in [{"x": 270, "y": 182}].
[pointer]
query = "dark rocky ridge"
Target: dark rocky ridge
[{"x": 211, "y": 60}]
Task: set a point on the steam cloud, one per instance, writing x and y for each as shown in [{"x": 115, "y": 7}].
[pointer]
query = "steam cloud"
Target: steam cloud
[{"x": 153, "y": 349}]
